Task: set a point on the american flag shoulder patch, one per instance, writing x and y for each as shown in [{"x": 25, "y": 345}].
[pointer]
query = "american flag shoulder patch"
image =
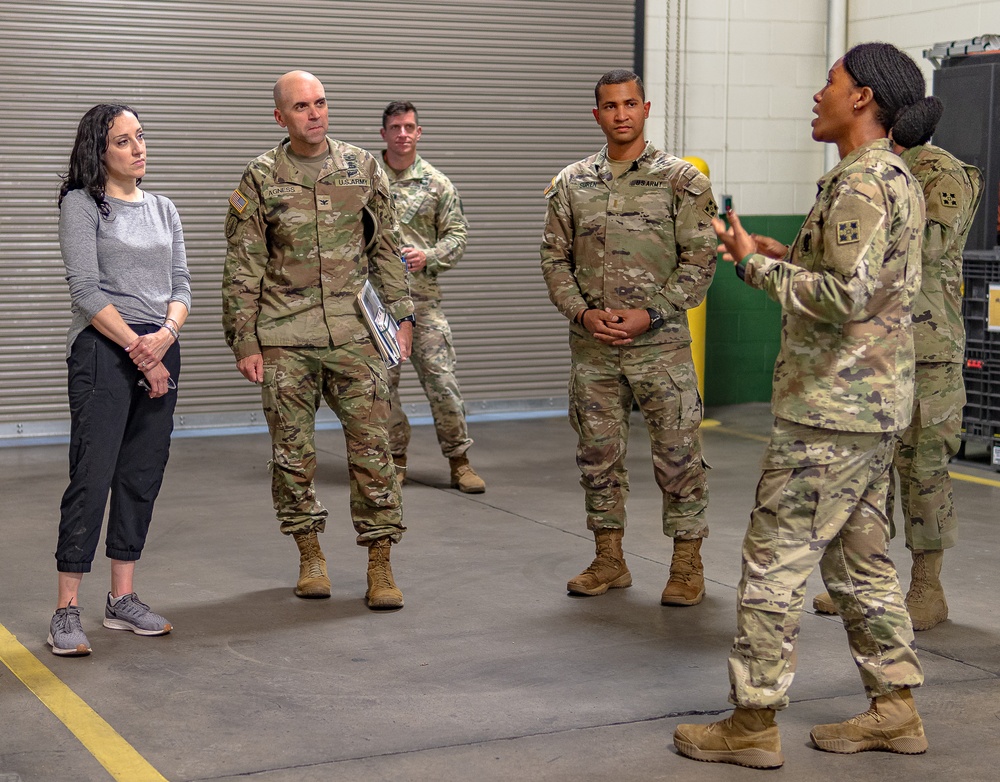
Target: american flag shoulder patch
[{"x": 238, "y": 201}]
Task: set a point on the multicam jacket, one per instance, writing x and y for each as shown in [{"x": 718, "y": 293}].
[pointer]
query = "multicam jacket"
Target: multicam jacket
[
  {"x": 951, "y": 191},
  {"x": 430, "y": 219},
  {"x": 301, "y": 249},
  {"x": 644, "y": 240},
  {"x": 846, "y": 288}
]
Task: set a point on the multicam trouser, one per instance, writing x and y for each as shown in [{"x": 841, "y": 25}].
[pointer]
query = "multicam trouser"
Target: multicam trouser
[
  {"x": 604, "y": 381},
  {"x": 433, "y": 359},
  {"x": 352, "y": 380},
  {"x": 922, "y": 454},
  {"x": 820, "y": 500}
]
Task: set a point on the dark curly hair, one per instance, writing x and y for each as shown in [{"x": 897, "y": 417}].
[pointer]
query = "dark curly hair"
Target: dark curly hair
[{"x": 86, "y": 161}]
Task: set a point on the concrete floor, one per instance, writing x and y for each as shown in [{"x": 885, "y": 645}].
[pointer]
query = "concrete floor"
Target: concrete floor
[{"x": 490, "y": 672}]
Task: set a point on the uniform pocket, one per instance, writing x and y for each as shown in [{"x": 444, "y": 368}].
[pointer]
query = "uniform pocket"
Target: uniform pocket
[{"x": 763, "y": 606}]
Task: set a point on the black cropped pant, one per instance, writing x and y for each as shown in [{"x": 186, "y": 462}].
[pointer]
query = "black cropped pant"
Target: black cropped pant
[{"x": 119, "y": 444}]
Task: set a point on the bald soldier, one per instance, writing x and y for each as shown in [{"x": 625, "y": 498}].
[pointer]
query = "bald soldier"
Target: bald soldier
[
  {"x": 310, "y": 222},
  {"x": 628, "y": 248}
]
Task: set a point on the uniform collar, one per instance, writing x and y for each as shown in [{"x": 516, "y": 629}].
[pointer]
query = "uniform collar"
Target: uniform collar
[
  {"x": 286, "y": 169},
  {"x": 852, "y": 158},
  {"x": 415, "y": 171},
  {"x": 601, "y": 161}
]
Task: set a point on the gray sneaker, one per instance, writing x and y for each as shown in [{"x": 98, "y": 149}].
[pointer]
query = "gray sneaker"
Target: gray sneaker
[
  {"x": 130, "y": 613},
  {"x": 66, "y": 636}
]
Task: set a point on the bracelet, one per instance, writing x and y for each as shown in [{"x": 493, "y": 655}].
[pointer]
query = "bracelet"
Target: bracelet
[
  {"x": 171, "y": 320},
  {"x": 172, "y": 330}
]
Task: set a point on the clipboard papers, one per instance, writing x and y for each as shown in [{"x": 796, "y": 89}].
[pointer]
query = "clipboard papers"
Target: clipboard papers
[{"x": 380, "y": 323}]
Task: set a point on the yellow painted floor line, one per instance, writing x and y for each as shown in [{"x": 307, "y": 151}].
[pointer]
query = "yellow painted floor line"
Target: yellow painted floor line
[
  {"x": 120, "y": 759},
  {"x": 761, "y": 438},
  {"x": 958, "y": 476}
]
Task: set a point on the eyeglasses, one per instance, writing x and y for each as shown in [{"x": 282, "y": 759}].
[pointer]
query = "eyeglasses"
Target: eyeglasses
[{"x": 171, "y": 384}]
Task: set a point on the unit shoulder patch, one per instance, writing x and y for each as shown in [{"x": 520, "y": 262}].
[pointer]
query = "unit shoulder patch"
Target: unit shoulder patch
[{"x": 848, "y": 232}]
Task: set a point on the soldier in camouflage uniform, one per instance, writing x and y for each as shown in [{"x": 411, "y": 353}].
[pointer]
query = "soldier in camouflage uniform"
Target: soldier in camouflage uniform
[
  {"x": 951, "y": 191},
  {"x": 310, "y": 222},
  {"x": 433, "y": 231},
  {"x": 628, "y": 248},
  {"x": 843, "y": 387}
]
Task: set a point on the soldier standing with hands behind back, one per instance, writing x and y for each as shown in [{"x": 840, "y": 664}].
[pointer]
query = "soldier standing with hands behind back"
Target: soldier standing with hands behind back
[
  {"x": 434, "y": 232},
  {"x": 628, "y": 249},
  {"x": 310, "y": 222}
]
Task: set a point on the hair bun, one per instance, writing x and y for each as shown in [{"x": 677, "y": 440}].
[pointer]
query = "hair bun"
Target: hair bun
[{"x": 915, "y": 123}]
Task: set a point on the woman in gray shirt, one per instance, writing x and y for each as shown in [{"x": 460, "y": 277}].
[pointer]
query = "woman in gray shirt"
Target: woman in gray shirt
[{"x": 131, "y": 291}]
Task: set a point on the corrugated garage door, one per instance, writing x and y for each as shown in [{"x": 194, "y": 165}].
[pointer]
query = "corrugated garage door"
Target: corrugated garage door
[{"x": 504, "y": 90}]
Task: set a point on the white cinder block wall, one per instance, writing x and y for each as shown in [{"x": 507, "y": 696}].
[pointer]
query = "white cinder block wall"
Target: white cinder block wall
[
  {"x": 916, "y": 25},
  {"x": 740, "y": 92}
]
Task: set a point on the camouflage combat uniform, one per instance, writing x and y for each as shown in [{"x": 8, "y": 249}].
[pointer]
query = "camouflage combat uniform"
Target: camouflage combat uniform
[
  {"x": 643, "y": 240},
  {"x": 299, "y": 251},
  {"x": 951, "y": 191},
  {"x": 843, "y": 385},
  {"x": 430, "y": 219}
]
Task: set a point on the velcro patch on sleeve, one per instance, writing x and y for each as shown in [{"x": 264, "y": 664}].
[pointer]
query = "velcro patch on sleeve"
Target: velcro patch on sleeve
[
  {"x": 848, "y": 232},
  {"x": 238, "y": 201},
  {"x": 949, "y": 200}
]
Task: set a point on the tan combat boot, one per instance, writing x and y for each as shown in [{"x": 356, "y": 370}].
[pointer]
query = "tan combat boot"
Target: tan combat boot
[
  {"x": 313, "y": 579},
  {"x": 686, "y": 585},
  {"x": 925, "y": 599},
  {"x": 608, "y": 570},
  {"x": 823, "y": 604},
  {"x": 382, "y": 590},
  {"x": 464, "y": 478},
  {"x": 891, "y": 723},
  {"x": 748, "y": 737},
  {"x": 399, "y": 462}
]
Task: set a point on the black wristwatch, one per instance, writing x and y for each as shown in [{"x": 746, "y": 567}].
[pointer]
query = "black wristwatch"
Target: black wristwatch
[
  {"x": 655, "y": 319},
  {"x": 407, "y": 319}
]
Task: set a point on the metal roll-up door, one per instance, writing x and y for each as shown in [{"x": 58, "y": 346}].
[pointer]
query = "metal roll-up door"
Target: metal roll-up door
[{"x": 504, "y": 91}]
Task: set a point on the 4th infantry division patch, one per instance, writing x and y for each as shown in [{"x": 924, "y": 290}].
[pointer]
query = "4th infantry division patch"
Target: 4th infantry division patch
[
  {"x": 848, "y": 232},
  {"x": 950, "y": 200}
]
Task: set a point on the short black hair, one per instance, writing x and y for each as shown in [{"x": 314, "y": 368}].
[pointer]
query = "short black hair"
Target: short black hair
[
  {"x": 618, "y": 76},
  {"x": 398, "y": 107}
]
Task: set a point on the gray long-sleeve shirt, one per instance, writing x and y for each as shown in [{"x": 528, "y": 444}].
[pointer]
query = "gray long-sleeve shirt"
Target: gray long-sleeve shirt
[{"x": 133, "y": 260}]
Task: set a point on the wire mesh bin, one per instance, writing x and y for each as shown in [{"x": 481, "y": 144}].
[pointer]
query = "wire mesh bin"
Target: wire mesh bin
[{"x": 981, "y": 313}]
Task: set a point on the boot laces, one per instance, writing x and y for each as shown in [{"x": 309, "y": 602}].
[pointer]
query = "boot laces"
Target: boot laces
[
  {"x": 602, "y": 561},
  {"x": 380, "y": 569},
  {"x": 682, "y": 568},
  {"x": 872, "y": 715},
  {"x": 918, "y": 579},
  {"x": 315, "y": 568}
]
